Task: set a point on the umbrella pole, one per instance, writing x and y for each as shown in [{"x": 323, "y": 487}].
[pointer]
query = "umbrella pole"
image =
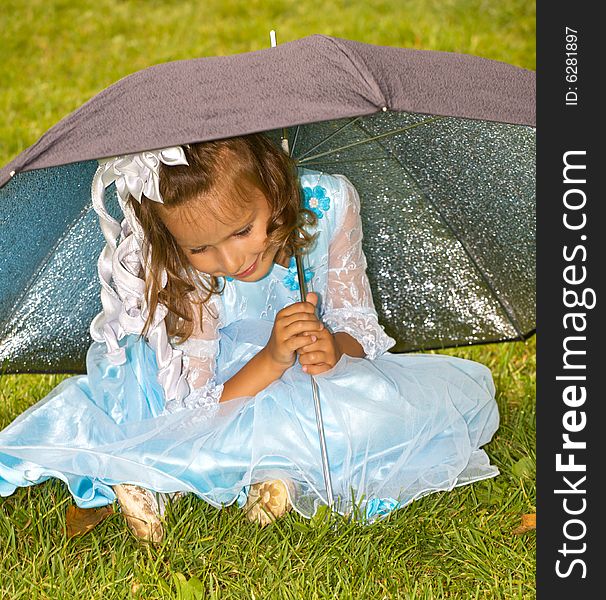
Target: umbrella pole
[
  {"x": 274, "y": 43},
  {"x": 316, "y": 396},
  {"x": 314, "y": 385}
]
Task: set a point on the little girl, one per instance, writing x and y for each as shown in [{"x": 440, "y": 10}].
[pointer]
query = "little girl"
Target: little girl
[{"x": 199, "y": 376}]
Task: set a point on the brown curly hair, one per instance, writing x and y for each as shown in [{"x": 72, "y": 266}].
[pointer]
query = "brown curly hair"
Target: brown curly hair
[{"x": 254, "y": 157}]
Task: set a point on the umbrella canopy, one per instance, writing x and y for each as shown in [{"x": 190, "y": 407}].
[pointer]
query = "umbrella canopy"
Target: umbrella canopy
[{"x": 445, "y": 173}]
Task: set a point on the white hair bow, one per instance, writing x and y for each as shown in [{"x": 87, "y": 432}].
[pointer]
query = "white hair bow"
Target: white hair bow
[
  {"x": 138, "y": 174},
  {"x": 123, "y": 297}
]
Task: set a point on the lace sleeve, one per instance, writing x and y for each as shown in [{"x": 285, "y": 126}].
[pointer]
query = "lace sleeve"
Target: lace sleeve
[
  {"x": 199, "y": 358},
  {"x": 349, "y": 306}
]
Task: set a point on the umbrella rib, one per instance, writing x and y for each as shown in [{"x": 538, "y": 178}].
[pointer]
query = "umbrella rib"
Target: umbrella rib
[
  {"x": 397, "y": 349},
  {"x": 508, "y": 313},
  {"x": 294, "y": 142},
  {"x": 365, "y": 141},
  {"x": 299, "y": 158},
  {"x": 345, "y": 162},
  {"x": 506, "y": 310}
]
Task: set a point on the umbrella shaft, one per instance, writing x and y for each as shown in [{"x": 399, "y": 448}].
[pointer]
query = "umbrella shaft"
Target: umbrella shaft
[
  {"x": 316, "y": 396},
  {"x": 324, "y": 452}
]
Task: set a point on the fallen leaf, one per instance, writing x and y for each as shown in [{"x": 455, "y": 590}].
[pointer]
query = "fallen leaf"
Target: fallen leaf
[
  {"x": 82, "y": 520},
  {"x": 529, "y": 522}
]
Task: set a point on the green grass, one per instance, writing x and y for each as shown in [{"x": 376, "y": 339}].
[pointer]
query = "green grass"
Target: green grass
[
  {"x": 448, "y": 545},
  {"x": 55, "y": 55}
]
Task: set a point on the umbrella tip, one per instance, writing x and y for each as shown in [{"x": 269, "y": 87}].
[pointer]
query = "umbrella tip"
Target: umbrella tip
[{"x": 272, "y": 38}]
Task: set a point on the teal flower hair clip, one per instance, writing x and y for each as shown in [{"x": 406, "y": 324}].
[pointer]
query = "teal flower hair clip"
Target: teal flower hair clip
[
  {"x": 316, "y": 200},
  {"x": 380, "y": 507},
  {"x": 291, "y": 281}
]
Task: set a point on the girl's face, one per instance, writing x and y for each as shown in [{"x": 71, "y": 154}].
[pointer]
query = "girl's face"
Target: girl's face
[{"x": 234, "y": 247}]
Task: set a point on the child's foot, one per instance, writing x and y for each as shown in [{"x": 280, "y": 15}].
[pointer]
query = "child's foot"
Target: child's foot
[
  {"x": 267, "y": 501},
  {"x": 140, "y": 508}
]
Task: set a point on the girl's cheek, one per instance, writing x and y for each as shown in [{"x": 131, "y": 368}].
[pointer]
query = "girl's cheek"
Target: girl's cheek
[
  {"x": 200, "y": 264},
  {"x": 262, "y": 240}
]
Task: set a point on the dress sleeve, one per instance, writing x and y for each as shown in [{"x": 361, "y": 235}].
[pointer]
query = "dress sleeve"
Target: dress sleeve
[
  {"x": 349, "y": 306},
  {"x": 199, "y": 360}
]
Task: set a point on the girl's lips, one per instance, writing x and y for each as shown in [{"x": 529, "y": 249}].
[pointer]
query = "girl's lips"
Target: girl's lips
[{"x": 248, "y": 271}]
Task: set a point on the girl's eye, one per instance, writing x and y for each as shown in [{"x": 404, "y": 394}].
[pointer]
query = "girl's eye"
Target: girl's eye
[{"x": 242, "y": 233}]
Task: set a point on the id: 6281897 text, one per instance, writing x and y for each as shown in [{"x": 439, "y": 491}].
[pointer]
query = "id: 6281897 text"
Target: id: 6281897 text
[{"x": 571, "y": 66}]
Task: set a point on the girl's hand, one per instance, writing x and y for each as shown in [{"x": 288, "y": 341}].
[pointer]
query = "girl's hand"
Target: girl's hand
[
  {"x": 292, "y": 328},
  {"x": 321, "y": 353}
]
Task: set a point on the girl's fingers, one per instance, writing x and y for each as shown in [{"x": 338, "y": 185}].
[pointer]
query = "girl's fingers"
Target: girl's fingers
[
  {"x": 297, "y": 307},
  {"x": 313, "y": 345},
  {"x": 316, "y": 369},
  {"x": 297, "y": 342},
  {"x": 312, "y": 298},
  {"x": 294, "y": 318},
  {"x": 313, "y": 358},
  {"x": 303, "y": 327}
]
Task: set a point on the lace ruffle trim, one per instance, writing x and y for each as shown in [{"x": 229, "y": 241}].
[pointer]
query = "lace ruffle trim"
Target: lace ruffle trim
[
  {"x": 364, "y": 327},
  {"x": 207, "y": 398}
]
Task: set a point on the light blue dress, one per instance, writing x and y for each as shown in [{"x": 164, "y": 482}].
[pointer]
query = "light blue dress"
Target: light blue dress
[{"x": 397, "y": 426}]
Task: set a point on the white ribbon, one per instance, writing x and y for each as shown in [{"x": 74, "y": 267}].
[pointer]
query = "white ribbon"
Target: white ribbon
[
  {"x": 138, "y": 174},
  {"x": 125, "y": 307}
]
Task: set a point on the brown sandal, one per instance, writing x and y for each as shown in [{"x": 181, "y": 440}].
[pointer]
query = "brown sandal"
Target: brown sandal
[
  {"x": 268, "y": 500},
  {"x": 141, "y": 511}
]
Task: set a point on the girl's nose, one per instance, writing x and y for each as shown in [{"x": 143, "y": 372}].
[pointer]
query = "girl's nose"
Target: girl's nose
[{"x": 232, "y": 264}]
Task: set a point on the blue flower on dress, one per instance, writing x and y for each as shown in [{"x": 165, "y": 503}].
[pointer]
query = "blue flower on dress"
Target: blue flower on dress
[
  {"x": 242, "y": 497},
  {"x": 379, "y": 507},
  {"x": 291, "y": 281},
  {"x": 316, "y": 200}
]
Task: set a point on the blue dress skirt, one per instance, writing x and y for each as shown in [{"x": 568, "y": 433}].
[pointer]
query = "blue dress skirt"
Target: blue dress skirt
[{"x": 397, "y": 427}]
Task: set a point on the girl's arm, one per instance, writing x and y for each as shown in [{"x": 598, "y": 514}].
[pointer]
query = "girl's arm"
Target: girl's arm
[
  {"x": 290, "y": 332},
  {"x": 349, "y": 310},
  {"x": 199, "y": 359},
  {"x": 253, "y": 377},
  {"x": 349, "y": 345},
  {"x": 349, "y": 307}
]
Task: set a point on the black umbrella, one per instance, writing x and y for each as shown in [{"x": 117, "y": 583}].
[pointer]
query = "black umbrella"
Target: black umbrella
[{"x": 439, "y": 145}]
